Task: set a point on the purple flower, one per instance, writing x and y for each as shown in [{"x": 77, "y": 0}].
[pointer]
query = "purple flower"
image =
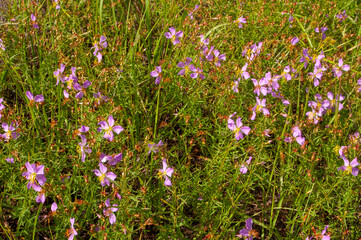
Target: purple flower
[
  {"x": 108, "y": 211},
  {"x": 2, "y": 46},
  {"x": 238, "y": 128},
  {"x": 338, "y": 70},
  {"x": 248, "y": 231},
  {"x": 204, "y": 41},
  {"x": 244, "y": 167},
  {"x": 100, "y": 46},
  {"x": 313, "y": 116},
  {"x": 323, "y": 233},
  {"x": 83, "y": 129},
  {"x": 208, "y": 53},
  {"x": 10, "y": 131},
  {"x": 35, "y": 175},
  {"x": 323, "y": 30},
  {"x": 66, "y": 94},
  {"x": 109, "y": 128},
  {"x": 342, "y": 16},
  {"x": 349, "y": 167},
  {"x": 355, "y": 138},
  {"x": 186, "y": 66},
  {"x": 38, "y": 98},
  {"x": 191, "y": 13},
  {"x": 58, "y": 74},
  {"x": 166, "y": 172},
  {"x": 196, "y": 72},
  {"x": 260, "y": 107},
  {"x": 103, "y": 175},
  {"x": 295, "y": 40},
  {"x": 83, "y": 148},
  {"x": 271, "y": 83},
  {"x": 33, "y": 19},
  {"x": 154, "y": 147},
  {"x": 319, "y": 105},
  {"x": 117, "y": 158},
  {"x": 240, "y": 21},
  {"x": 111, "y": 160},
  {"x": 253, "y": 51},
  {"x": 306, "y": 57},
  {"x": 56, "y": 5},
  {"x": 290, "y": 18},
  {"x": 243, "y": 72},
  {"x": 332, "y": 102},
  {"x": 235, "y": 85},
  {"x": 173, "y": 35},
  {"x": 218, "y": 58},
  {"x": 317, "y": 73},
  {"x": 81, "y": 89},
  {"x": 286, "y": 73},
  {"x": 54, "y": 207},
  {"x": 260, "y": 86},
  {"x": 1, "y": 105},
  {"x": 157, "y": 74},
  {"x": 104, "y": 158},
  {"x": 41, "y": 197},
  {"x": 72, "y": 79},
  {"x": 99, "y": 97},
  {"x": 70, "y": 233},
  {"x": 296, "y": 135},
  {"x": 10, "y": 160}
]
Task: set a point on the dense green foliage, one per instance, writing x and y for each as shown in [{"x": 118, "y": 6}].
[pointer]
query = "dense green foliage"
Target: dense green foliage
[{"x": 291, "y": 191}]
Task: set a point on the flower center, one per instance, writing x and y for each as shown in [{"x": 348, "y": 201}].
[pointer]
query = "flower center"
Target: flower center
[
  {"x": 173, "y": 38},
  {"x": 32, "y": 177},
  {"x": 107, "y": 212},
  {"x": 312, "y": 115},
  {"x": 70, "y": 83},
  {"x": 237, "y": 130},
  {"x": 348, "y": 169},
  {"x": 78, "y": 149},
  {"x": 108, "y": 130},
  {"x": 102, "y": 177},
  {"x": 186, "y": 68},
  {"x": 259, "y": 108},
  {"x": 333, "y": 101},
  {"x": 8, "y": 134}
]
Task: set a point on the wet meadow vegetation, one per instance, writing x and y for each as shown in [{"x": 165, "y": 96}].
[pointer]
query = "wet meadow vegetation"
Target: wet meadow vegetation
[{"x": 174, "y": 119}]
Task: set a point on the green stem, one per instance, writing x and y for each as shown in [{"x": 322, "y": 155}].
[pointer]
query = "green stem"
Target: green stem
[{"x": 36, "y": 220}]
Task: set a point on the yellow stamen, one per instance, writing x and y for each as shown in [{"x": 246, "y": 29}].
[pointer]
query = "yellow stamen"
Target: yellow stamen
[{"x": 32, "y": 177}]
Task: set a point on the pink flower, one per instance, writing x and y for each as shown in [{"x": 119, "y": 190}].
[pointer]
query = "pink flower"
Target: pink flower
[
  {"x": 157, "y": 74},
  {"x": 108, "y": 211},
  {"x": 54, "y": 207},
  {"x": 341, "y": 67},
  {"x": 349, "y": 167},
  {"x": 109, "y": 128},
  {"x": 238, "y": 128},
  {"x": 71, "y": 232},
  {"x": 35, "y": 175},
  {"x": 37, "y": 98},
  {"x": 244, "y": 167},
  {"x": 260, "y": 107},
  {"x": 10, "y": 131},
  {"x": 166, "y": 172},
  {"x": 240, "y": 21},
  {"x": 294, "y": 40},
  {"x": 173, "y": 35},
  {"x": 103, "y": 175}
]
